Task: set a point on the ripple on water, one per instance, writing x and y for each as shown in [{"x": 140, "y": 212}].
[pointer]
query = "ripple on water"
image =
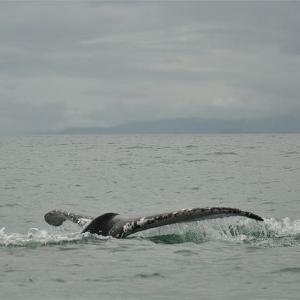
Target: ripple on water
[
  {"x": 196, "y": 160},
  {"x": 288, "y": 270},
  {"x": 149, "y": 275},
  {"x": 10, "y": 205},
  {"x": 59, "y": 280},
  {"x": 224, "y": 153},
  {"x": 186, "y": 252},
  {"x": 68, "y": 248}
]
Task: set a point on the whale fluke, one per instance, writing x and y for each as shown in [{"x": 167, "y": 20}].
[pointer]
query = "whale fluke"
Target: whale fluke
[{"x": 112, "y": 224}]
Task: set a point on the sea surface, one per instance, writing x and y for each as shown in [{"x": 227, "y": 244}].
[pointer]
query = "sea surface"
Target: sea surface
[{"x": 138, "y": 175}]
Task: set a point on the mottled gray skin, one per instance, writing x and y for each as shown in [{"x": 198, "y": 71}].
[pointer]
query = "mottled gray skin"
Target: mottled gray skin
[{"x": 112, "y": 224}]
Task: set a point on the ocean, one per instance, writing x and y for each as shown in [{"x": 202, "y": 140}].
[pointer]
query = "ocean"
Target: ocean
[{"x": 138, "y": 175}]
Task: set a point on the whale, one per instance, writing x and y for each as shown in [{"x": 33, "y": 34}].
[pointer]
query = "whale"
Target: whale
[{"x": 117, "y": 226}]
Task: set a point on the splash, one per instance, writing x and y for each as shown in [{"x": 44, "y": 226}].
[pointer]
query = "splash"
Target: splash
[
  {"x": 36, "y": 237},
  {"x": 270, "y": 233}
]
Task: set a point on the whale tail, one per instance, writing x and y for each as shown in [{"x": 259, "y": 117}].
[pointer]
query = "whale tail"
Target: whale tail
[{"x": 113, "y": 225}]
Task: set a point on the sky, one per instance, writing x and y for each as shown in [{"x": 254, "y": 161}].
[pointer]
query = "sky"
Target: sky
[{"x": 88, "y": 63}]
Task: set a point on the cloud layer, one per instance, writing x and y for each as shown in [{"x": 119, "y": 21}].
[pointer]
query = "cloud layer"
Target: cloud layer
[{"x": 66, "y": 64}]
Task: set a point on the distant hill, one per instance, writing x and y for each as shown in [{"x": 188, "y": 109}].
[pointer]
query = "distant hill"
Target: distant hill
[{"x": 196, "y": 125}]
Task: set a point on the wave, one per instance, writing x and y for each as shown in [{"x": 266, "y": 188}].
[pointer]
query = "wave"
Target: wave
[{"x": 270, "y": 233}]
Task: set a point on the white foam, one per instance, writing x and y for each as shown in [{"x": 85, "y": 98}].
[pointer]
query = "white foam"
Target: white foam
[
  {"x": 36, "y": 236},
  {"x": 285, "y": 226}
]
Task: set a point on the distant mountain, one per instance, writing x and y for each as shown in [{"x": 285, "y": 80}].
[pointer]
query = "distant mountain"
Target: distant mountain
[{"x": 196, "y": 125}]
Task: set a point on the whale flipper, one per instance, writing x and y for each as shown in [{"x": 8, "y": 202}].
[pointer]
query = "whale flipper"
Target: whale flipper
[
  {"x": 56, "y": 217},
  {"x": 111, "y": 224}
]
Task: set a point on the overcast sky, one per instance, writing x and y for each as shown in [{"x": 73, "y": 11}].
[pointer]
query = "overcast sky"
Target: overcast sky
[{"x": 65, "y": 64}]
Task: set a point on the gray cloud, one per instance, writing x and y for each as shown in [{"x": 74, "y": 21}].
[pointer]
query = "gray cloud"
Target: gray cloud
[
  {"x": 22, "y": 117},
  {"x": 104, "y": 63}
]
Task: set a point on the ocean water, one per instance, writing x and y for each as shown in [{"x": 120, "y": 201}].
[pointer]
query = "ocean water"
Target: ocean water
[{"x": 230, "y": 258}]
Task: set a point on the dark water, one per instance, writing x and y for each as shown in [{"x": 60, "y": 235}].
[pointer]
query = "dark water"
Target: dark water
[{"x": 232, "y": 258}]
